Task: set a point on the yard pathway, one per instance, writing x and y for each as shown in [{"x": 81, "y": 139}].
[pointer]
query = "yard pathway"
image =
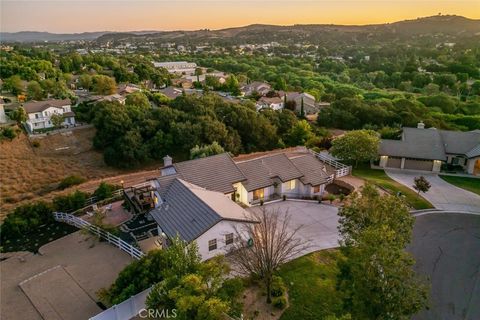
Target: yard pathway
[{"x": 442, "y": 194}]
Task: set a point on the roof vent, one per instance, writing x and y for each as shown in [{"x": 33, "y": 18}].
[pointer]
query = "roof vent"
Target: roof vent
[{"x": 421, "y": 125}]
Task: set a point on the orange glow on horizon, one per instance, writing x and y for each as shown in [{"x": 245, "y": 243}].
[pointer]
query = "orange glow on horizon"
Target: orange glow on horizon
[{"x": 121, "y": 15}]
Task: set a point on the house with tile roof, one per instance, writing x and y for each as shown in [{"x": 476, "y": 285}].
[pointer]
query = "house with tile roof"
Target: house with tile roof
[
  {"x": 40, "y": 112},
  {"x": 427, "y": 149},
  {"x": 203, "y": 200}
]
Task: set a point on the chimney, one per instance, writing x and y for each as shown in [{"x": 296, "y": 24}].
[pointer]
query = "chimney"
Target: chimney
[
  {"x": 421, "y": 125},
  {"x": 167, "y": 161}
]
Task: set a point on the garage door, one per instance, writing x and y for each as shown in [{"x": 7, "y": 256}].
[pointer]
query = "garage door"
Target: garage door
[
  {"x": 426, "y": 165},
  {"x": 393, "y": 162}
]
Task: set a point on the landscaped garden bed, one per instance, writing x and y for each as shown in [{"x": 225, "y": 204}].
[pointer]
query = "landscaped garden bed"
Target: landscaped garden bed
[{"x": 379, "y": 178}]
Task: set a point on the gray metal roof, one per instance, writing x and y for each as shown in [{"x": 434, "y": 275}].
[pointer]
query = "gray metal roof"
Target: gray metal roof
[
  {"x": 260, "y": 172},
  {"x": 432, "y": 144},
  {"x": 415, "y": 143},
  {"x": 216, "y": 173},
  {"x": 314, "y": 172},
  {"x": 189, "y": 210}
]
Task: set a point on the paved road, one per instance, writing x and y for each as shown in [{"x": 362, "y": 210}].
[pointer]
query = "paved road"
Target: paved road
[
  {"x": 442, "y": 194},
  {"x": 319, "y": 222},
  {"x": 446, "y": 247}
]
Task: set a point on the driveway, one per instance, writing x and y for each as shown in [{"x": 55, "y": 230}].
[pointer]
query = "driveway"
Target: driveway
[
  {"x": 319, "y": 222},
  {"x": 446, "y": 247},
  {"x": 442, "y": 194}
]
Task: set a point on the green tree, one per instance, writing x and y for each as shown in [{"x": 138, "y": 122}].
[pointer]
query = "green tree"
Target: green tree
[
  {"x": 356, "y": 146},
  {"x": 57, "y": 120},
  {"x": 104, "y": 85},
  {"x": 421, "y": 184},
  {"x": 19, "y": 115},
  {"x": 206, "y": 150},
  {"x": 85, "y": 81},
  {"x": 138, "y": 99},
  {"x": 232, "y": 85},
  {"x": 377, "y": 273},
  {"x": 34, "y": 91},
  {"x": 14, "y": 85},
  {"x": 300, "y": 133}
]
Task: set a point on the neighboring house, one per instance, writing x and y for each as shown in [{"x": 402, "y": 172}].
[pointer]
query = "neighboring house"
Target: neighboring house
[
  {"x": 171, "y": 92},
  {"x": 274, "y": 103},
  {"x": 256, "y": 86},
  {"x": 126, "y": 89},
  {"x": 40, "y": 113},
  {"x": 427, "y": 149},
  {"x": 110, "y": 98},
  {"x": 183, "y": 83},
  {"x": 177, "y": 66},
  {"x": 309, "y": 104},
  {"x": 197, "y": 214}
]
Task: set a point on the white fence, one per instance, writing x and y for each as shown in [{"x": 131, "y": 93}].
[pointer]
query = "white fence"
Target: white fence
[
  {"x": 116, "y": 241},
  {"x": 125, "y": 310},
  {"x": 341, "y": 169}
]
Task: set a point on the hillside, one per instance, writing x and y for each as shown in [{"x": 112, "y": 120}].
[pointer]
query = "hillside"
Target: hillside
[
  {"x": 29, "y": 173},
  {"x": 444, "y": 24}
]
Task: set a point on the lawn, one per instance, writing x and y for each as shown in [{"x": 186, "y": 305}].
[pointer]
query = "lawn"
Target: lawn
[
  {"x": 380, "y": 178},
  {"x": 311, "y": 283},
  {"x": 470, "y": 184}
]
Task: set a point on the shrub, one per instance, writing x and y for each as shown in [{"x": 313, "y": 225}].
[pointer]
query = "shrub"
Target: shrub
[
  {"x": 278, "y": 287},
  {"x": 105, "y": 191},
  {"x": 8, "y": 133},
  {"x": 71, "y": 181},
  {"x": 25, "y": 219},
  {"x": 279, "y": 302},
  {"x": 36, "y": 144},
  {"x": 71, "y": 202}
]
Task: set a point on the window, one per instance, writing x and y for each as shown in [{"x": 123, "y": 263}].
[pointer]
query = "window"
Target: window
[
  {"x": 316, "y": 189},
  {"x": 290, "y": 185},
  {"x": 37, "y": 116},
  {"x": 258, "y": 194},
  {"x": 229, "y": 238},
  {"x": 212, "y": 244}
]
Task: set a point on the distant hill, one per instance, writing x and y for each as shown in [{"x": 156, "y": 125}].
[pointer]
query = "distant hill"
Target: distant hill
[{"x": 442, "y": 24}]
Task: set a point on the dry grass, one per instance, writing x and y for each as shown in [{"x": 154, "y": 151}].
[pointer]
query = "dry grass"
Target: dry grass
[{"x": 30, "y": 173}]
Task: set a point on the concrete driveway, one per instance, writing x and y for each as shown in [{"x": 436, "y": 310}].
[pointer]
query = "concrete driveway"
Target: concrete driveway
[
  {"x": 442, "y": 194},
  {"x": 319, "y": 222}
]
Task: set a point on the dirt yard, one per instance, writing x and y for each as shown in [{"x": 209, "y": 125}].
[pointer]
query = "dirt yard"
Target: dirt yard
[
  {"x": 31, "y": 173},
  {"x": 87, "y": 265}
]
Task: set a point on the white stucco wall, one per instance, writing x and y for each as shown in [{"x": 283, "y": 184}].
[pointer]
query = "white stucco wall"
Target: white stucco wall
[
  {"x": 286, "y": 191},
  {"x": 242, "y": 192},
  {"x": 218, "y": 232}
]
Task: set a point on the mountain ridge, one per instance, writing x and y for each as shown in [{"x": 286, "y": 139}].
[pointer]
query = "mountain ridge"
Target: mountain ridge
[{"x": 435, "y": 24}]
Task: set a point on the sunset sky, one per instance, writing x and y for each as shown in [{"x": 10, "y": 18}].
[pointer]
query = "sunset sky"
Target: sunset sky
[{"x": 122, "y": 15}]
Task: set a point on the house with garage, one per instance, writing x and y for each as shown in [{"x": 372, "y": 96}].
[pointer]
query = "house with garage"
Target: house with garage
[
  {"x": 39, "y": 113},
  {"x": 274, "y": 103},
  {"x": 428, "y": 149},
  {"x": 203, "y": 200},
  {"x": 310, "y": 106},
  {"x": 259, "y": 87}
]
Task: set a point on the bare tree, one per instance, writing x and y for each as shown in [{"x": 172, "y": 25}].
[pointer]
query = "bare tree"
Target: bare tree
[{"x": 271, "y": 243}]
